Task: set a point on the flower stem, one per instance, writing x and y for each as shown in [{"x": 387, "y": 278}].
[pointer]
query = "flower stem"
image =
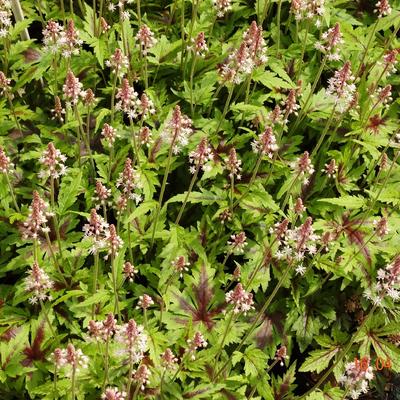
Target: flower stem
[
  {"x": 289, "y": 191},
  {"x": 13, "y": 112},
  {"x": 95, "y": 277},
  {"x": 192, "y": 182},
  {"x": 278, "y": 24},
  {"x": 12, "y": 193},
  {"x": 367, "y": 48},
  {"x": 53, "y": 256},
  {"x": 232, "y": 191},
  {"x": 221, "y": 345},
  {"x": 191, "y": 84},
  {"x": 114, "y": 282},
  {"x": 183, "y": 37},
  {"x": 164, "y": 183},
  {"x": 303, "y": 50},
  {"x": 128, "y": 390},
  {"x": 129, "y": 233},
  {"x": 55, "y": 219},
  {"x": 189, "y": 38},
  {"x": 135, "y": 393},
  {"x": 304, "y": 108},
  {"x": 322, "y": 136},
  {"x": 55, "y": 381},
  {"x": 73, "y": 379},
  {"x": 106, "y": 364},
  {"x": 253, "y": 177},
  {"x": 114, "y": 85},
  {"x": 226, "y": 108},
  {"x": 46, "y": 316},
  {"x": 265, "y": 11},
  {"x": 135, "y": 145}
]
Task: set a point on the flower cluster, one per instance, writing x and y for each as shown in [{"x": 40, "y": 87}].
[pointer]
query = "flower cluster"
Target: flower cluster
[
  {"x": 382, "y": 8},
  {"x": 199, "y": 45},
  {"x": 145, "y": 136},
  {"x": 113, "y": 394},
  {"x": 127, "y": 99},
  {"x": 237, "y": 242},
  {"x": 132, "y": 341},
  {"x": 240, "y": 299},
  {"x": 331, "y": 39},
  {"x": 388, "y": 282},
  {"x": 5, "y": 17},
  {"x": 58, "y": 111},
  {"x": 177, "y": 130},
  {"x": 70, "y": 357},
  {"x": 233, "y": 165},
  {"x": 250, "y": 54},
  {"x": 71, "y": 42},
  {"x": 222, "y": 7},
  {"x": 103, "y": 330},
  {"x": 389, "y": 62},
  {"x": 129, "y": 271},
  {"x": 113, "y": 242},
  {"x": 381, "y": 227},
  {"x": 290, "y": 105},
  {"x": 101, "y": 195},
  {"x": 72, "y": 89},
  {"x": 265, "y": 143},
  {"x": 308, "y": 9},
  {"x": 181, "y": 265},
  {"x": 146, "y": 39},
  {"x": 39, "y": 284},
  {"x": 53, "y": 163},
  {"x": 295, "y": 243},
  {"x": 145, "y": 106},
  {"x": 200, "y": 156},
  {"x": 37, "y": 218},
  {"x": 109, "y": 133},
  {"x": 142, "y": 376},
  {"x": 303, "y": 166},
  {"x": 281, "y": 354},
  {"x": 342, "y": 88},
  {"x": 130, "y": 183},
  {"x": 53, "y": 36},
  {"x": 356, "y": 379},
  {"x": 145, "y": 302},
  {"x": 330, "y": 169},
  {"x": 4, "y": 83},
  {"x": 56, "y": 38},
  {"x": 197, "y": 341},
  {"x": 5, "y": 164},
  {"x": 168, "y": 360},
  {"x": 96, "y": 230},
  {"x": 118, "y": 62}
]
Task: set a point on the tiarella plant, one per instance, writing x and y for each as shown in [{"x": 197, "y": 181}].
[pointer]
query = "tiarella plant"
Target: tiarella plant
[{"x": 199, "y": 199}]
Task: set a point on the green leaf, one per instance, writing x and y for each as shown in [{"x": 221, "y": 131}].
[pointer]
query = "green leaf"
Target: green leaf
[
  {"x": 351, "y": 202},
  {"x": 70, "y": 187},
  {"x": 319, "y": 360},
  {"x": 254, "y": 361},
  {"x": 270, "y": 80}
]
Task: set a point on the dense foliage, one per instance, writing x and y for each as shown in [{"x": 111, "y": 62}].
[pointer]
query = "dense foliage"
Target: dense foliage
[{"x": 199, "y": 199}]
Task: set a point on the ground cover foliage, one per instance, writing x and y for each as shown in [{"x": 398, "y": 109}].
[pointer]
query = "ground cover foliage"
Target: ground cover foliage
[{"x": 199, "y": 199}]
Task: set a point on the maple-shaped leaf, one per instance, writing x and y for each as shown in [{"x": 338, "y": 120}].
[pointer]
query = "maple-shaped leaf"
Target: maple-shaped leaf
[
  {"x": 355, "y": 235},
  {"x": 34, "y": 352},
  {"x": 351, "y": 228},
  {"x": 202, "y": 310}
]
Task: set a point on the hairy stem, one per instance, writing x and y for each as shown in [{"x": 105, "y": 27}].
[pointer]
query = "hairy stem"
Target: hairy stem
[{"x": 192, "y": 182}]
